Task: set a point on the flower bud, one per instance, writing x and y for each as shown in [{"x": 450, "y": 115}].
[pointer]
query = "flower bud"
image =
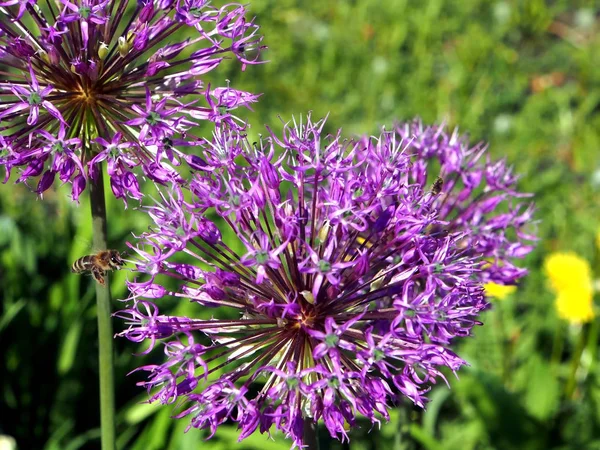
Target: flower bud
[
  {"x": 45, "y": 181},
  {"x": 324, "y": 232},
  {"x": 308, "y": 296},
  {"x": 123, "y": 46},
  {"x": 78, "y": 187},
  {"x": 53, "y": 55},
  {"x": 103, "y": 51},
  {"x": 44, "y": 56}
]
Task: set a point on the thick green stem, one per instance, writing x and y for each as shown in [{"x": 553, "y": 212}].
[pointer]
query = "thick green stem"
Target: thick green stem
[
  {"x": 558, "y": 343},
  {"x": 504, "y": 342},
  {"x": 402, "y": 437},
  {"x": 575, "y": 362},
  {"x": 105, "y": 332},
  {"x": 592, "y": 342},
  {"x": 310, "y": 436}
]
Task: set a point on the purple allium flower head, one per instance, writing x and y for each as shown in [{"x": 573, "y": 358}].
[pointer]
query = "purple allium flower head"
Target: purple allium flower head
[
  {"x": 330, "y": 275},
  {"x": 114, "y": 80}
]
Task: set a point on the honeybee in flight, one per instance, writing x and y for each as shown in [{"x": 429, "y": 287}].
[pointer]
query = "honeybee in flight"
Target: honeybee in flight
[
  {"x": 437, "y": 186},
  {"x": 98, "y": 264}
]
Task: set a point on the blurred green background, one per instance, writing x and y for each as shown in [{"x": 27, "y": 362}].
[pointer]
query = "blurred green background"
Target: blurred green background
[{"x": 522, "y": 75}]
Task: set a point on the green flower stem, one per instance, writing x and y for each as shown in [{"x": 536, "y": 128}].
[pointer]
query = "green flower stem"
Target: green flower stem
[
  {"x": 584, "y": 357},
  {"x": 105, "y": 332},
  {"x": 558, "y": 343},
  {"x": 402, "y": 430},
  {"x": 311, "y": 438},
  {"x": 504, "y": 341},
  {"x": 575, "y": 363},
  {"x": 592, "y": 342}
]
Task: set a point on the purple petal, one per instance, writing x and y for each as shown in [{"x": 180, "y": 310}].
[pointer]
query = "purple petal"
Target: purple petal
[
  {"x": 79, "y": 183},
  {"x": 46, "y": 181}
]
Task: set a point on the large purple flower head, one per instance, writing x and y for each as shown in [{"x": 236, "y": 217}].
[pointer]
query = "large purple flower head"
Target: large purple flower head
[
  {"x": 335, "y": 281},
  {"x": 84, "y": 81}
]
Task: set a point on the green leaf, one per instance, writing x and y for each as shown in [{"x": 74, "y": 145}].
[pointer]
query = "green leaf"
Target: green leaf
[
  {"x": 159, "y": 427},
  {"x": 11, "y": 312},
  {"x": 543, "y": 390},
  {"x": 59, "y": 433},
  {"x": 69, "y": 347},
  {"x": 425, "y": 438},
  {"x": 138, "y": 412},
  {"x": 438, "y": 397},
  {"x": 230, "y": 436},
  {"x": 7, "y": 229},
  {"x": 463, "y": 436}
]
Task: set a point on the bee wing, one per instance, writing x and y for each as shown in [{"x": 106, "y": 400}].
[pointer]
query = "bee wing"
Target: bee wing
[
  {"x": 81, "y": 245},
  {"x": 98, "y": 275}
]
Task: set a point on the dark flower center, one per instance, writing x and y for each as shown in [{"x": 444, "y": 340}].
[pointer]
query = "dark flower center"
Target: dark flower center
[
  {"x": 331, "y": 340},
  {"x": 114, "y": 151},
  {"x": 324, "y": 266},
  {"x": 378, "y": 355},
  {"x": 85, "y": 11},
  {"x": 153, "y": 118},
  {"x": 333, "y": 382},
  {"x": 34, "y": 99},
  {"x": 262, "y": 257},
  {"x": 292, "y": 383},
  {"x": 195, "y": 12},
  {"x": 58, "y": 147}
]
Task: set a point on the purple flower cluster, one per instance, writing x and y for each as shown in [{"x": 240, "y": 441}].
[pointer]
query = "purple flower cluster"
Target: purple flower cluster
[
  {"x": 85, "y": 81},
  {"x": 338, "y": 272},
  {"x": 478, "y": 195}
]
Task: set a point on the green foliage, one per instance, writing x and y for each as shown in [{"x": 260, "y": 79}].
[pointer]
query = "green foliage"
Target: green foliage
[{"x": 520, "y": 74}]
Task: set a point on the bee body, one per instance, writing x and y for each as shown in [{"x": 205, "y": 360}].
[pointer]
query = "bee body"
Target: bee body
[
  {"x": 98, "y": 264},
  {"x": 437, "y": 186}
]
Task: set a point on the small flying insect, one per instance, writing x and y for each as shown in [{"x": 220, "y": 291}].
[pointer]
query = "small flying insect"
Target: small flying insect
[
  {"x": 98, "y": 264},
  {"x": 437, "y": 186}
]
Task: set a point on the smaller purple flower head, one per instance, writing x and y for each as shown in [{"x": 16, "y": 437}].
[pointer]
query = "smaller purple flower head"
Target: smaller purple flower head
[
  {"x": 475, "y": 195},
  {"x": 92, "y": 70},
  {"x": 336, "y": 275}
]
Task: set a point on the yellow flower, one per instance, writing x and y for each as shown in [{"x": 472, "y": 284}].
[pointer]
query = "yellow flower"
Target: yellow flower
[
  {"x": 575, "y": 305},
  {"x": 568, "y": 271},
  {"x": 571, "y": 279},
  {"x": 498, "y": 291}
]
